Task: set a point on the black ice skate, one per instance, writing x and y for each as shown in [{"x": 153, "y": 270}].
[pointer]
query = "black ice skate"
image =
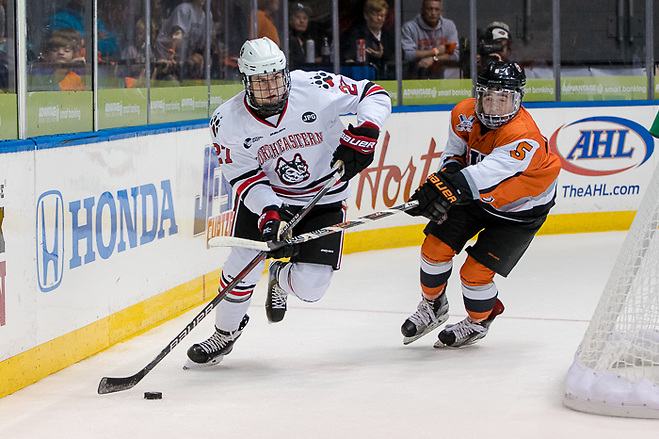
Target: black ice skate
[
  {"x": 275, "y": 303},
  {"x": 467, "y": 331},
  {"x": 213, "y": 350},
  {"x": 428, "y": 316}
]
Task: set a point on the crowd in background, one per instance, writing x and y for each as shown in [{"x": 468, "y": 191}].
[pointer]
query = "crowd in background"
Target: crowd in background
[
  {"x": 59, "y": 56},
  {"x": 432, "y": 46}
]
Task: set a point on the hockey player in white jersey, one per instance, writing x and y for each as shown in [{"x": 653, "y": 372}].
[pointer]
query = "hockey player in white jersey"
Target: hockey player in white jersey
[{"x": 276, "y": 143}]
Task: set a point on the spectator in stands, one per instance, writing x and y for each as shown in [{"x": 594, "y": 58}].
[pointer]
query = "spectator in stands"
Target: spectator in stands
[
  {"x": 494, "y": 45},
  {"x": 265, "y": 19},
  {"x": 4, "y": 59},
  {"x": 133, "y": 58},
  {"x": 57, "y": 68},
  {"x": 156, "y": 19},
  {"x": 72, "y": 16},
  {"x": 181, "y": 38},
  {"x": 298, "y": 23},
  {"x": 379, "y": 42},
  {"x": 429, "y": 41}
]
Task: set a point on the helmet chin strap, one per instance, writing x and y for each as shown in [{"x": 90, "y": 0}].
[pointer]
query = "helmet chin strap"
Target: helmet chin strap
[{"x": 264, "y": 112}]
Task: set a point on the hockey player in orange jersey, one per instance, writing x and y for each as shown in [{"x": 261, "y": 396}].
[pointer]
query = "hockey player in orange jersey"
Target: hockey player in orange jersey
[{"x": 497, "y": 180}]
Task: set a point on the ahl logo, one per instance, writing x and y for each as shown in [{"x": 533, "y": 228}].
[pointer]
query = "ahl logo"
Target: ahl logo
[
  {"x": 50, "y": 240},
  {"x": 602, "y": 145},
  {"x": 309, "y": 117}
]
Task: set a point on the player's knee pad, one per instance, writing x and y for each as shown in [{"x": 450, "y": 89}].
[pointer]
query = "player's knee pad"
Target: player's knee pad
[
  {"x": 309, "y": 282},
  {"x": 237, "y": 260},
  {"x": 475, "y": 273},
  {"x": 435, "y": 250},
  {"x": 479, "y": 291}
]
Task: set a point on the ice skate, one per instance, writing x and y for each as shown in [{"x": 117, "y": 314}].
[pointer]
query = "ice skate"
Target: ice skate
[
  {"x": 212, "y": 351},
  {"x": 467, "y": 331},
  {"x": 428, "y": 316},
  {"x": 275, "y": 303}
]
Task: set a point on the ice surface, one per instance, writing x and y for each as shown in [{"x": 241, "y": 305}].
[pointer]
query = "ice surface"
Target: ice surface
[{"x": 338, "y": 368}]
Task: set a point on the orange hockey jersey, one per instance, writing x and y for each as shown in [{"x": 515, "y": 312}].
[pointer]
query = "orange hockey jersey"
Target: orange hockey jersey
[{"x": 510, "y": 170}]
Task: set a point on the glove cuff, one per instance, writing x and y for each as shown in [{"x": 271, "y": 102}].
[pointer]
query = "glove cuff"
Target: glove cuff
[
  {"x": 362, "y": 138},
  {"x": 269, "y": 213},
  {"x": 368, "y": 129}
]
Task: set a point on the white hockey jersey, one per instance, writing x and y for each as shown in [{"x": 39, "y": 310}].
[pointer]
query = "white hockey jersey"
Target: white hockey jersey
[{"x": 286, "y": 158}]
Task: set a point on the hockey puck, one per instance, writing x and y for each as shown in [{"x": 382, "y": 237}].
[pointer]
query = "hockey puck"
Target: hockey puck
[{"x": 152, "y": 395}]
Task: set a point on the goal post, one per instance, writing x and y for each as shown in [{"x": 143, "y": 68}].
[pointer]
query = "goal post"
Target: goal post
[{"x": 616, "y": 367}]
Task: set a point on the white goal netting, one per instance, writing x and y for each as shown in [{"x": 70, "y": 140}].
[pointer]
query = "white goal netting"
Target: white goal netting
[{"x": 616, "y": 367}]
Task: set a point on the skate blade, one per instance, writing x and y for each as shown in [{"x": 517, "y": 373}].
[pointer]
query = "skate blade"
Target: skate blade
[
  {"x": 429, "y": 329},
  {"x": 191, "y": 365},
  {"x": 439, "y": 345}
]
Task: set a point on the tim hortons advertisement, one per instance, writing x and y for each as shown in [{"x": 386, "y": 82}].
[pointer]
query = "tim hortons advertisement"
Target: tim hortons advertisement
[{"x": 607, "y": 158}]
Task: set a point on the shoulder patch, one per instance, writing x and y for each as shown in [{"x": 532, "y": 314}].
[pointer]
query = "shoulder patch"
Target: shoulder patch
[
  {"x": 215, "y": 124},
  {"x": 466, "y": 123},
  {"x": 323, "y": 80}
]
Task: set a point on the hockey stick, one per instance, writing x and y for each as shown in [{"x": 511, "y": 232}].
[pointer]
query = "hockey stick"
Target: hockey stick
[
  {"x": 111, "y": 385},
  {"x": 229, "y": 241}
]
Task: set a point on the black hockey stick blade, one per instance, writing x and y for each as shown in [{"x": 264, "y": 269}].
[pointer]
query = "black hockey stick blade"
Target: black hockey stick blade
[{"x": 111, "y": 385}]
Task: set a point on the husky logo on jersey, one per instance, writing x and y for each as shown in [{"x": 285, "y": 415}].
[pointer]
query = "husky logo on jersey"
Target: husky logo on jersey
[
  {"x": 309, "y": 117},
  {"x": 292, "y": 172},
  {"x": 323, "y": 80},
  {"x": 466, "y": 123},
  {"x": 250, "y": 141}
]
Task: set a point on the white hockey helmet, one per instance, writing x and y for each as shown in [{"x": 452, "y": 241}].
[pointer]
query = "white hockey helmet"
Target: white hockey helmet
[{"x": 263, "y": 57}]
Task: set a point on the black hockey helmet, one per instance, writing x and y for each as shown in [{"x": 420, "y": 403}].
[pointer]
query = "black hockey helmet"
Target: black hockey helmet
[{"x": 499, "y": 92}]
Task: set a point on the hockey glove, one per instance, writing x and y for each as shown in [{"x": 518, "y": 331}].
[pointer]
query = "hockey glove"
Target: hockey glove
[
  {"x": 436, "y": 196},
  {"x": 356, "y": 148},
  {"x": 271, "y": 225},
  {"x": 451, "y": 167}
]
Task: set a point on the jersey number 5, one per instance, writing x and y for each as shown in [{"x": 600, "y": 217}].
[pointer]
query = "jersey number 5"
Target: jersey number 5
[
  {"x": 223, "y": 153},
  {"x": 519, "y": 153}
]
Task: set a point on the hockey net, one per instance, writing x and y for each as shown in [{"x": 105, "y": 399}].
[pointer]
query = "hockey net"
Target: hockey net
[{"x": 616, "y": 367}]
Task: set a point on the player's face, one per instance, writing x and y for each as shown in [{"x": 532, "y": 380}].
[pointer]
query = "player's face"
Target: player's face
[
  {"x": 268, "y": 88},
  {"x": 497, "y": 102}
]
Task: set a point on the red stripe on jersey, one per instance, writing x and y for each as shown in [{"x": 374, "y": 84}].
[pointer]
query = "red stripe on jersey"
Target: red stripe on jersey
[
  {"x": 249, "y": 182},
  {"x": 373, "y": 89},
  {"x": 283, "y": 191}
]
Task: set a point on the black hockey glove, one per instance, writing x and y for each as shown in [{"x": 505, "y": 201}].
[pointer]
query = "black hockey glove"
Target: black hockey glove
[
  {"x": 451, "y": 167},
  {"x": 436, "y": 196},
  {"x": 271, "y": 225},
  {"x": 356, "y": 148}
]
